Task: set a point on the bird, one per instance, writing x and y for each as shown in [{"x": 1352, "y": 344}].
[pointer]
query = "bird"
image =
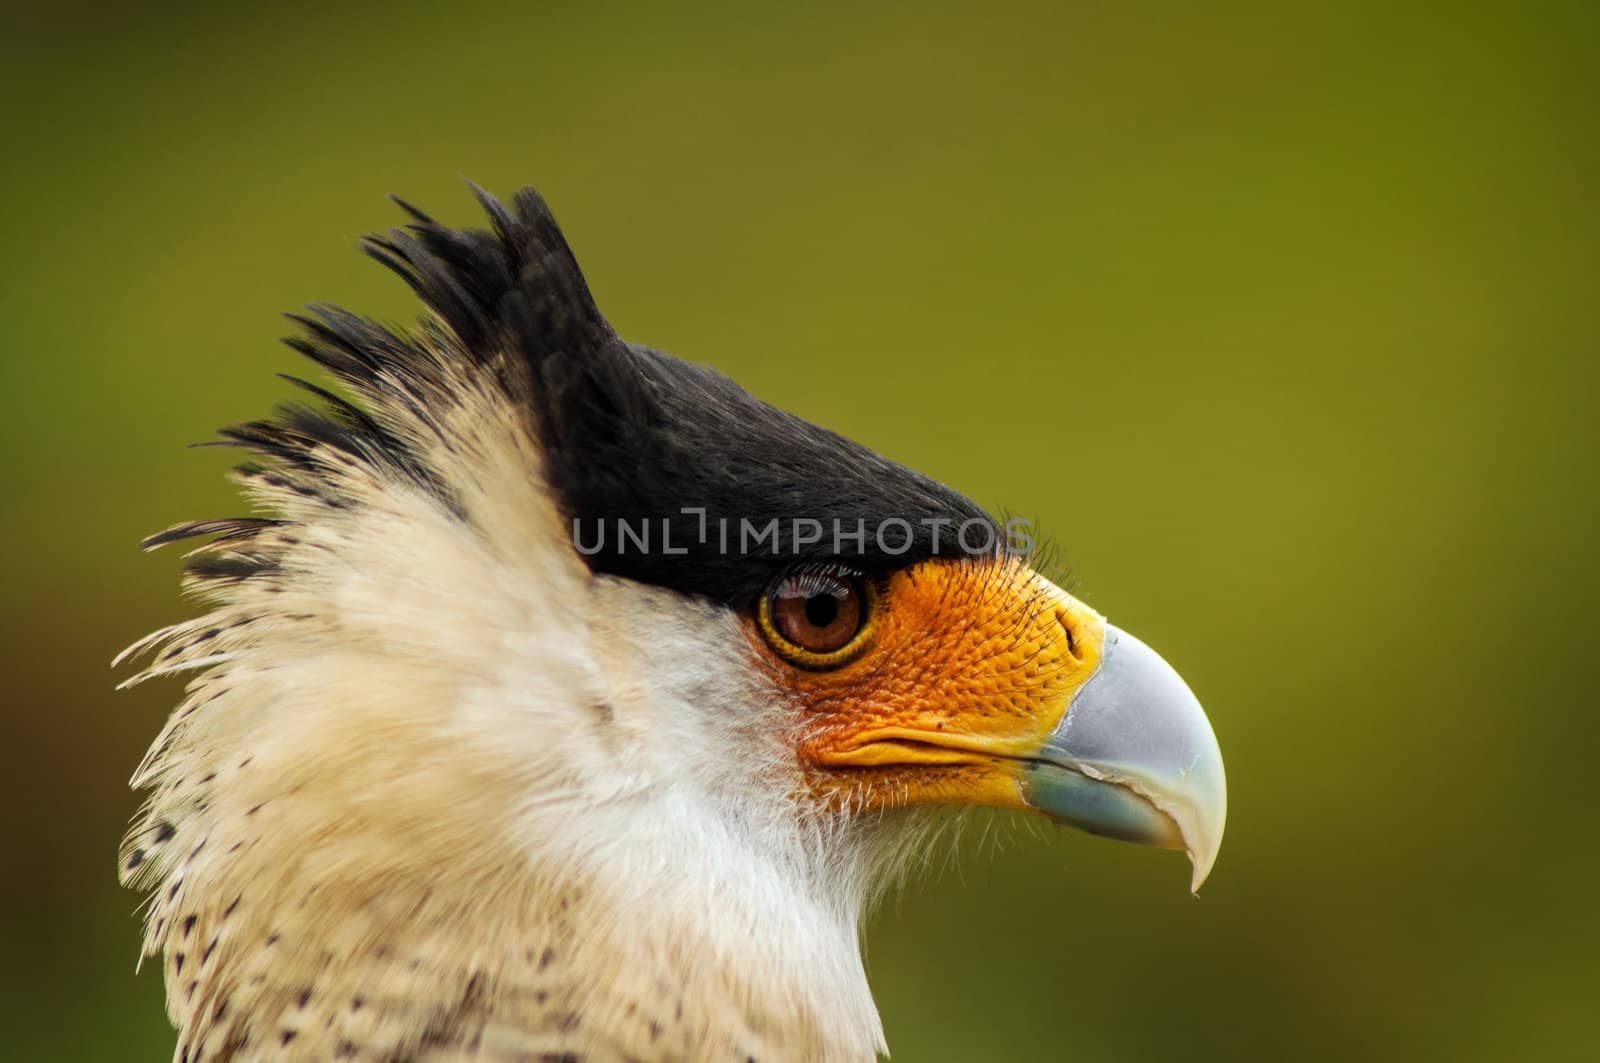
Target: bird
[{"x": 558, "y": 699}]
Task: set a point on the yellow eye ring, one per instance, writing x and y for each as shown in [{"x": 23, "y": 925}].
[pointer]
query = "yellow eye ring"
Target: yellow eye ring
[{"x": 818, "y": 617}]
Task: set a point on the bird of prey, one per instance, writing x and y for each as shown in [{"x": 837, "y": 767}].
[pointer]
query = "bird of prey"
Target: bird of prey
[{"x": 563, "y": 701}]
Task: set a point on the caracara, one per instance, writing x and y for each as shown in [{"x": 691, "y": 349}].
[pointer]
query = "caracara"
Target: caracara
[{"x": 562, "y": 701}]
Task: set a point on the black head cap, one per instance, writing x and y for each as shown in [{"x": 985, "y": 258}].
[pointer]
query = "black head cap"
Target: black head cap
[{"x": 669, "y": 472}]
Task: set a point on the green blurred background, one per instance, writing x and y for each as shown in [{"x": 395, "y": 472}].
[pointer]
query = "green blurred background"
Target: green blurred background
[{"x": 1282, "y": 322}]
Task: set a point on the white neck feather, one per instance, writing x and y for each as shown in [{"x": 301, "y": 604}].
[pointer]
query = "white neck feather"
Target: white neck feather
[{"x": 441, "y": 784}]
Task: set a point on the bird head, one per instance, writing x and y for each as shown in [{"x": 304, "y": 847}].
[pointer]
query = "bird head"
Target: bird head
[{"x": 561, "y": 693}]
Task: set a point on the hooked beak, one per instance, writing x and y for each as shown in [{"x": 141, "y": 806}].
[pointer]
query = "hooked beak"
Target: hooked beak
[{"x": 1134, "y": 757}]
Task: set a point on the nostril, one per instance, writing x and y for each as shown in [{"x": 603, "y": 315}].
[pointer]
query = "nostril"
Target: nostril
[{"x": 1069, "y": 627}]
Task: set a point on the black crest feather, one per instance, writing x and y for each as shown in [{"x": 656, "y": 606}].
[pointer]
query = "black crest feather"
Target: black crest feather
[{"x": 669, "y": 472}]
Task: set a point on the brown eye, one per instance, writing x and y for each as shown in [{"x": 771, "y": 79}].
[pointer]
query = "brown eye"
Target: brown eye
[{"x": 814, "y": 616}]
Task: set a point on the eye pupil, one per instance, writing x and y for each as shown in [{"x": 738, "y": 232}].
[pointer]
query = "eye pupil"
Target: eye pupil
[{"x": 822, "y": 610}]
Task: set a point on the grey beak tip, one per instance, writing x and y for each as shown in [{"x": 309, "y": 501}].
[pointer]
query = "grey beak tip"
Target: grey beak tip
[{"x": 1136, "y": 727}]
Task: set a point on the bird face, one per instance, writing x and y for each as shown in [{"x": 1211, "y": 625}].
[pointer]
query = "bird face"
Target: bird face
[
  {"x": 959, "y": 683},
  {"x": 963, "y": 671},
  {"x": 562, "y": 685}
]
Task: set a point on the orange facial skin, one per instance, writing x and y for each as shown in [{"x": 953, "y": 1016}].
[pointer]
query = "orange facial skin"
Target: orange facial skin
[{"x": 965, "y": 668}]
